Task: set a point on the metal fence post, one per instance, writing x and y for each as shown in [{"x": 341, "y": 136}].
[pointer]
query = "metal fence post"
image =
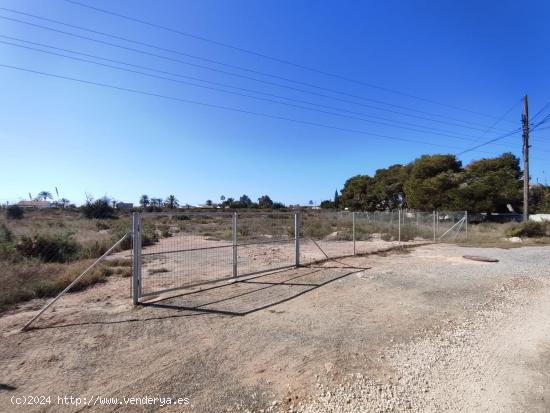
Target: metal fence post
[
  {"x": 399, "y": 226},
  {"x": 234, "y": 233},
  {"x": 434, "y": 225},
  {"x": 297, "y": 239},
  {"x": 136, "y": 265},
  {"x": 437, "y": 222},
  {"x": 466, "y": 222},
  {"x": 353, "y": 230}
]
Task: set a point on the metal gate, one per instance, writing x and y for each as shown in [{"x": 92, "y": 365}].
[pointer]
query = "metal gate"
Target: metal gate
[
  {"x": 173, "y": 250},
  {"x": 178, "y": 250}
]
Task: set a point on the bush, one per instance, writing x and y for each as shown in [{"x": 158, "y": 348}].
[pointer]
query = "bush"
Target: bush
[
  {"x": 527, "y": 229},
  {"x": 5, "y": 233},
  {"x": 49, "y": 248},
  {"x": 14, "y": 212},
  {"x": 99, "y": 209},
  {"x": 102, "y": 225}
]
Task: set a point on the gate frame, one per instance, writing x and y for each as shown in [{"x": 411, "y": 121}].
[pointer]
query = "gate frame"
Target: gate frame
[
  {"x": 136, "y": 287},
  {"x": 136, "y": 258}
]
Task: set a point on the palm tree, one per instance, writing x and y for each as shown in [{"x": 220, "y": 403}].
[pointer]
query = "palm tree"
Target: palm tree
[
  {"x": 45, "y": 195},
  {"x": 209, "y": 202},
  {"x": 171, "y": 202},
  {"x": 144, "y": 201},
  {"x": 222, "y": 198},
  {"x": 64, "y": 202}
]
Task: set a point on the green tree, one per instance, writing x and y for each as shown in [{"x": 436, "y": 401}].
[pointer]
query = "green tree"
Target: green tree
[
  {"x": 358, "y": 194},
  {"x": 98, "y": 209},
  {"x": 388, "y": 187},
  {"x": 245, "y": 201},
  {"x": 539, "y": 199},
  {"x": 45, "y": 195},
  {"x": 171, "y": 202},
  {"x": 144, "y": 201},
  {"x": 327, "y": 204},
  {"x": 336, "y": 200},
  {"x": 432, "y": 182},
  {"x": 265, "y": 202},
  {"x": 156, "y": 202},
  {"x": 209, "y": 202},
  {"x": 490, "y": 184}
]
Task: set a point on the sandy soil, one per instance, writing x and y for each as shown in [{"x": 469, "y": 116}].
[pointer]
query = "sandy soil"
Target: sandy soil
[{"x": 421, "y": 331}]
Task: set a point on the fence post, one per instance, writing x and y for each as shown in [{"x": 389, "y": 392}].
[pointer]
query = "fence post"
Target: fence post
[
  {"x": 434, "y": 225},
  {"x": 353, "y": 230},
  {"x": 297, "y": 239},
  {"x": 234, "y": 236},
  {"x": 466, "y": 222},
  {"x": 399, "y": 226},
  {"x": 136, "y": 265}
]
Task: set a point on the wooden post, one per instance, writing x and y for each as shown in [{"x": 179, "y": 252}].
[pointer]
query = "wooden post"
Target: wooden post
[{"x": 525, "y": 122}]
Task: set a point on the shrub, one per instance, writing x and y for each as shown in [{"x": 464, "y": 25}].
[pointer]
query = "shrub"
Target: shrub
[
  {"x": 49, "y": 248},
  {"x": 14, "y": 212},
  {"x": 5, "y": 233},
  {"x": 9, "y": 253},
  {"x": 149, "y": 235},
  {"x": 99, "y": 209},
  {"x": 102, "y": 225},
  {"x": 165, "y": 231},
  {"x": 527, "y": 229}
]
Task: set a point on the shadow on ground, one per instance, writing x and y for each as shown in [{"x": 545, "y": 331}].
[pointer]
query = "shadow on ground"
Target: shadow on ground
[{"x": 250, "y": 295}]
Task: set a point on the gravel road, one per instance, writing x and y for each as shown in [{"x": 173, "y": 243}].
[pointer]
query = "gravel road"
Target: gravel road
[{"x": 495, "y": 360}]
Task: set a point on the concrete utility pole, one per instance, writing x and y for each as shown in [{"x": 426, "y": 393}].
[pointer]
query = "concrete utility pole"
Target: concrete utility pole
[{"x": 525, "y": 125}]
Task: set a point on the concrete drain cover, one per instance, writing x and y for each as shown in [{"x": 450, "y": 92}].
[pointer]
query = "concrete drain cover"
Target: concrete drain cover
[{"x": 479, "y": 258}]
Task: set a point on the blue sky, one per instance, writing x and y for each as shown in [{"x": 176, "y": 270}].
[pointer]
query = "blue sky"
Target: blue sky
[{"x": 479, "y": 56}]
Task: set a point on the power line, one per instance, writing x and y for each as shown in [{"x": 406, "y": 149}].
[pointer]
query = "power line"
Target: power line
[
  {"x": 262, "y": 55},
  {"x": 540, "y": 111},
  {"x": 226, "y": 108},
  {"x": 204, "y": 59},
  {"x": 543, "y": 121},
  {"x": 436, "y": 131},
  {"x": 473, "y": 148},
  {"x": 499, "y": 119}
]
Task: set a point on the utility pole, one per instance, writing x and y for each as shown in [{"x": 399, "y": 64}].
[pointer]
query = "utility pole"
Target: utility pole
[{"x": 525, "y": 125}]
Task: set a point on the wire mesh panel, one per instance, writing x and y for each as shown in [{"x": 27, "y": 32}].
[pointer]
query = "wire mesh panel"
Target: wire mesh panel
[
  {"x": 265, "y": 241},
  {"x": 325, "y": 234},
  {"x": 376, "y": 230},
  {"x": 184, "y": 249},
  {"x": 450, "y": 225}
]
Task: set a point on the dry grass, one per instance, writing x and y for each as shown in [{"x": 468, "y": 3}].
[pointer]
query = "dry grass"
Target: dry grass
[
  {"x": 493, "y": 235},
  {"x": 25, "y": 281}
]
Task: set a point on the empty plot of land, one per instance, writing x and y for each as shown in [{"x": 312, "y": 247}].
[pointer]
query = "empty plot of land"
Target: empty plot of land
[{"x": 425, "y": 330}]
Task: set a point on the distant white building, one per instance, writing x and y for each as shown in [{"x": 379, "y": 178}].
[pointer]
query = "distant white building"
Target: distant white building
[
  {"x": 35, "y": 204},
  {"x": 206, "y": 206}
]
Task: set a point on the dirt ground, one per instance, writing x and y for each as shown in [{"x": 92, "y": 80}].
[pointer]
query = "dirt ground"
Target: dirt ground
[{"x": 423, "y": 330}]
